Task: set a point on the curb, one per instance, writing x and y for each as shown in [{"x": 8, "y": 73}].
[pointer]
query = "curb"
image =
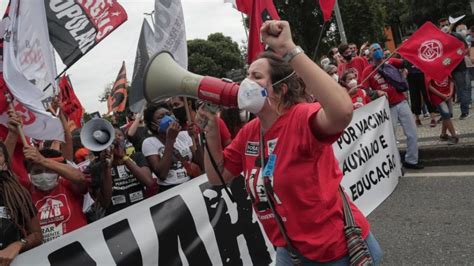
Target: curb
[{"x": 444, "y": 155}]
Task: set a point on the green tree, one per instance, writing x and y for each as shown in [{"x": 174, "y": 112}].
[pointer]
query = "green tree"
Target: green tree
[
  {"x": 214, "y": 56},
  {"x": 363, "y": 21}
]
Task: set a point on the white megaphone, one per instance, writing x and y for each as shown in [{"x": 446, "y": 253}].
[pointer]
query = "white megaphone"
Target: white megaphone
[
  {"x": 97, "y": 134},
  {"x": 164, "y": 78}
]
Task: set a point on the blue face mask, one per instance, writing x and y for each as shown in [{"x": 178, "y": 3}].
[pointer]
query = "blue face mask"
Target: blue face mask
[
  {"x": 377, "y": 54},
  {"x": 165, "y": 123}
]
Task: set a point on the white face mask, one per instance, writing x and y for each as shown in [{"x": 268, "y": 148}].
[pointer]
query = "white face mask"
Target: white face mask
[
  {"x": 335, "y": 77},
  {"x": 45, "y": 181},
  {"x": 445, "y": 29},
  {"x": 352, "y": 84},
  {"x": 325, "y": 62},
  {"x": 463, "y": 33},
  {"x": 251, "y": 96}
]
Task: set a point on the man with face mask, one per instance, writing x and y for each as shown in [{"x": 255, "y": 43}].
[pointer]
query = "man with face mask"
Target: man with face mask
[
  {"x": 399, "y": 108},
  {"x": 354, "y": 64},
  {"x": 462, "y": 78},
  {"x": 57, "y": 190}
]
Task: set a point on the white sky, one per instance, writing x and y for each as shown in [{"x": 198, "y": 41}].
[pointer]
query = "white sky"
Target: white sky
[{"x": 100, "y": 66}]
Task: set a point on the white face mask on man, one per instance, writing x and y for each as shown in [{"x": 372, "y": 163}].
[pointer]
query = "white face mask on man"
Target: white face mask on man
[{"x": 45, "y": 181}]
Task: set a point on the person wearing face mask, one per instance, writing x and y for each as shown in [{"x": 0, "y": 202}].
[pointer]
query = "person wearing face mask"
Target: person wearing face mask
[
  {"x": 286, "y": 154},
  {"x": 19, "y": 226},
  {"x": 179, "y": 111},
  {"x": 169, "y": 150},
  {"x": 359, "y": 96},
  {"x": 123, "y": 178},
  {"x": 331, "y": 70},
  {"x": 354, "y": 64},
  {"x": 461, "y": 75},
  {"x": 399, "y": 108},
  {"x": 57, "y": 190}
]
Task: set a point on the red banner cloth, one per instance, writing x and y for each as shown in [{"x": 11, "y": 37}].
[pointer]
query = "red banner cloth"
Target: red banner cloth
[
  {"x": 434, "y": 52},
  {"x": 70, "y": 104},
  {"x": 327, "y": 6},
  {"x": 259, "y": 11}
]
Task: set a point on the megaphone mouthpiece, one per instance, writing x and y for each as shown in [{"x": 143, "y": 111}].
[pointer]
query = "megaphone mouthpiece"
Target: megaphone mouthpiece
[{"x": 218, "y": 91}]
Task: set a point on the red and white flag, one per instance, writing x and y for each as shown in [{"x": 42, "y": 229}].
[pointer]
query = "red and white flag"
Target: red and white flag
[
  {"x": 27, "y": 56},
  {"x": 259, "y": 11},
  {"x": 327, "y": 6},
  {"x": 434, "y": 52}
]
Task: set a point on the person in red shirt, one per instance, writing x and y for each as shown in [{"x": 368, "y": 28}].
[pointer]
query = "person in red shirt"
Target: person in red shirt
[
  {"x": 354, "y": 64},
  {"x": 359, "y": 96},
  {"x": 399, "y": 109},
  {"x": 441, "y": 96},
  {"x": 19, "y": 226},
  {"x": 288, "y": 146},
  {"x": 57, "y": 190}
]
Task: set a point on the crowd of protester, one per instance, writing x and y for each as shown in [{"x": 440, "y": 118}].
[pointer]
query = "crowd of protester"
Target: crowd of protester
[{"x": 64, "y": 186}]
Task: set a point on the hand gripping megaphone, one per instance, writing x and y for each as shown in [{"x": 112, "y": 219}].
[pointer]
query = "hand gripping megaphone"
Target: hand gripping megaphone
[
  {"x": 97, "y": 134},
  {"x": 164, "y": 78}
]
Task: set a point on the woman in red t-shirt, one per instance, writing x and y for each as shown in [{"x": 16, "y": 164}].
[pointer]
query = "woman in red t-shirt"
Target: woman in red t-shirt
[
  {"x": 286, "y": 155},
  {"x": 441, "y": 96}
]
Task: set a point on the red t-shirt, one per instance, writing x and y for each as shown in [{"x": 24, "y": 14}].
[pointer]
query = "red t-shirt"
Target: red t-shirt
[
  {"x": 59, "y": 211},
  {"x": 356, "y": 65},
  {"x": 377, "y": 82},
  {"x": 360, "y": 98},
  {"x": 224, "y": 131},
  {"x": 442, "y": 87},
  {"x": 306, "y": 182}
]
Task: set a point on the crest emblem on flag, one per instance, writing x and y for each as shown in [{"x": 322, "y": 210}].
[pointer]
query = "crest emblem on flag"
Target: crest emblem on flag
[
  {"x": 430, "y": 50},
  {"x": 447, "y": 61}
]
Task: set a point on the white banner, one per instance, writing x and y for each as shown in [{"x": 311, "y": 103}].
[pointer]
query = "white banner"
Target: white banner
[
  {"x": 196, "y": 223},
  {"x": 170, "y": 31},
  {"x": 28, "y": 64},
  {"x": 368, "y": 156}
]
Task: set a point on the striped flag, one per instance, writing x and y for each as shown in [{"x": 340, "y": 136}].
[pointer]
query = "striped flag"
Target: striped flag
[{"x": 117, "y": 100}]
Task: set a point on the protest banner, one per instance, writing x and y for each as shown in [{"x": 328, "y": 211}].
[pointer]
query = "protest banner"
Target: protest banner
[
  {"x": 197, "y": 224},
  {"x": 368, "y": 156}
]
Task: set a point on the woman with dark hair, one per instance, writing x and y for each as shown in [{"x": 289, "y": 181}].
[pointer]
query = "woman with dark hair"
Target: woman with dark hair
[
  {"x": 168, "y": 151},
  {"x": 19, "y": 227},
  {"x": 286, "y": 155}
]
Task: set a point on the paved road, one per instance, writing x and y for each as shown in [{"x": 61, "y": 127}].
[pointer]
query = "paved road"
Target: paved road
[{"x": 428, "y": 220}]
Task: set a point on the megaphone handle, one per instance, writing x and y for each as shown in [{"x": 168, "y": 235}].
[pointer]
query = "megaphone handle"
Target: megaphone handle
[{"x": 19, "y": 127}]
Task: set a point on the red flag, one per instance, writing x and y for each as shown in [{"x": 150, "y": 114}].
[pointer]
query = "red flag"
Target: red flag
[
  {"x": 118, "y": 96},
  {"x": 327, "y": 6},
  {"x": 259, "y": 11},
  {"x": 433, "y": 51},
  {"x": 70, "y": 104}
]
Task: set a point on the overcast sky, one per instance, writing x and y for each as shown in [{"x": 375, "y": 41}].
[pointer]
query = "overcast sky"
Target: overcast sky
[{"x": 100, "y": 66}]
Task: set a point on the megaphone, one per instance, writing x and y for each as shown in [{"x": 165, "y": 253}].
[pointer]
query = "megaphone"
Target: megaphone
[
  {"x": 97, "y": 134},
  {"x": 164, "y": 78}
]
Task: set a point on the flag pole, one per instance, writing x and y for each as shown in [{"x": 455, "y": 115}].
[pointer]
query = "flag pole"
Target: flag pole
[
  {"x": 340, "y": 24},
  {"x": 319, "y": 41},
  {"x": 245, "y": 26},
  {"x": 19, "y": 127}
]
